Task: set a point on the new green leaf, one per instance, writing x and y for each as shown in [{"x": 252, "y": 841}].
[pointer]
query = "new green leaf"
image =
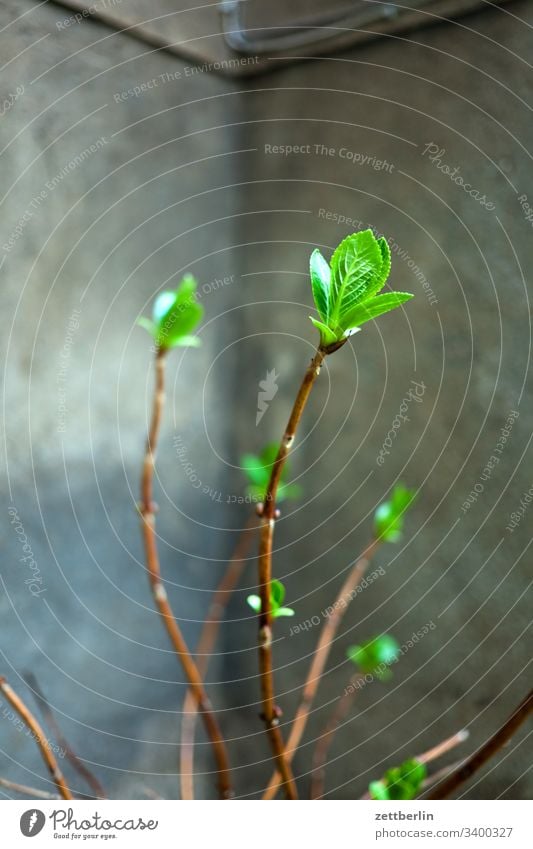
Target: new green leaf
[
  {"x": 258, "y": 469},
  {"x": 378, "y": 790},
  {"x": 346, "y": 294},
  {"x": 389, "y": 517},
  {"x": 400, "y": 783},
  {"x": 327, "y": 337},
  {"x": 174, "y": 317},
  {"x": 320, "y": 282},
  {"x": 277, "y": 595},
  {"x": 355, "y": 264},
  {"x": 375, "y": 656},
  {"x": 372, "y": 308}
]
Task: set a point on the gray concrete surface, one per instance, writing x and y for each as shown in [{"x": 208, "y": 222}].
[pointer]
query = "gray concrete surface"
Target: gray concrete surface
[{"x": 180, "y": 179}]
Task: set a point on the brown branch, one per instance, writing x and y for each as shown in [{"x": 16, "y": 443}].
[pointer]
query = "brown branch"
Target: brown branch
[
  {"x": 70, "y": 754},
  {"x": 325, "y": 740},
  {"x": 325, "y": 642},
  {"x": 147, "y": 510},
  {"x": 24, "y": 790},
  {"x": 437, "y": 752},
  {"x": 444, "y": 747},
  {"x": 318, "y": 774},
  {"x": 431, "y": 780},
  {"x": 204, "y": 650},
  {"x": 44, "y": 746},
  {"x": 270, "y": 713},
  {"x": 487, "y": 751}
]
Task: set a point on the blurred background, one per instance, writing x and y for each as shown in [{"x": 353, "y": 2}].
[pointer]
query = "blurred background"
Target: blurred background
[{"x": 137, "y": 144}]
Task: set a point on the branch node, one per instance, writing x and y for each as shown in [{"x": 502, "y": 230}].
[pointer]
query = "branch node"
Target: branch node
[
  {"x": 265, "y": 637},
  {"x": 270, "y": 721},
  {"x": 160, "y": 592}
]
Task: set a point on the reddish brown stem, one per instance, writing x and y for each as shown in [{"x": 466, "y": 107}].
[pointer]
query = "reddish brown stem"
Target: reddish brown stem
[
  {"x": 487, "y": 751},
  {"x": 318, "y": 775},
  {"x": 54, "y": 728},
  {"x": 205, "y": 647},
  {"x": 24, "y": 790},
  {"x": 44, "y": 746},
  {"x": 444, "y": 747},
  {"x": 270, "y": 712},
  {"x": 320, "y": 657},
  {"x": 437, "y": 752},
  {"x": 431, "y": 780},
  {"x": 147, "y": 510}
]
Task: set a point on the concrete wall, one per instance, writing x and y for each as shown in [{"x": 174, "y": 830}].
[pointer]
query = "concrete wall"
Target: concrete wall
[{"x": 181, "y": 178}]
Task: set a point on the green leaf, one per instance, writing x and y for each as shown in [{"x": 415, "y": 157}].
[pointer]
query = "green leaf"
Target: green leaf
[
  {"x": 346, "y": 295},
  {"x": 283, "y": 611},
  {"x": 187, "y": 342},
  {"x": 414, "y": 770},
  {"x": 148, "y": 325},
  {"x": 258, "y": 469},
  {"x": 268, "y": 456},
  {"x": 289, "y": 492},
  {"x": 405, "y": 781},
  {"x": 178, "y": 318},
  {"x": 354, "y": 265},
  {"x": 381, "y": 278},
  {"x": 400, "y": 782},
  {"x": 389, "y": 517},
  {"x": 255, "y": 493},
  {"x": 255, "y": 603},
  {"x": 162, "y": 304},
  {"x": 373, "y": 656},
  {"x": 254, "y": 469},
  {"x": 320, "y": 282},
  {"x": 386, "y": 649},
  {"x": 402, "y": 498},
  {"x": 174, "y": 316},
  {"x": 372, "y": 308},
  {"x": 401, "y": 790},
  {"x": 277, "y": 593},
  {"x": 385, "y": 266},
  {"x": 378, "y": 791},
  {"x": 327, "y": 336}
]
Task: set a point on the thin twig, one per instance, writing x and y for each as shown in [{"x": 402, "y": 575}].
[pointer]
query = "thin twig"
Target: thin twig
[
  {"x": 487, "y": 751},
  {"x": 70, "y": 754},
  {"x": 437, "y": 752},
  {"x": 205, "y": 647},
  {"x": 24, "y": 790},
  {"x": 44, "y": 746},
  {"x": 444, "y": 747},
  {"x": 441, "y": 773},
  {"x": 147, "y": 509},
  {"x": 271, "y": 712},
  {"x": 321, "y": 654},
  {"x": 344, "y": 703},
  {"x": 341, "y": 711}
]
